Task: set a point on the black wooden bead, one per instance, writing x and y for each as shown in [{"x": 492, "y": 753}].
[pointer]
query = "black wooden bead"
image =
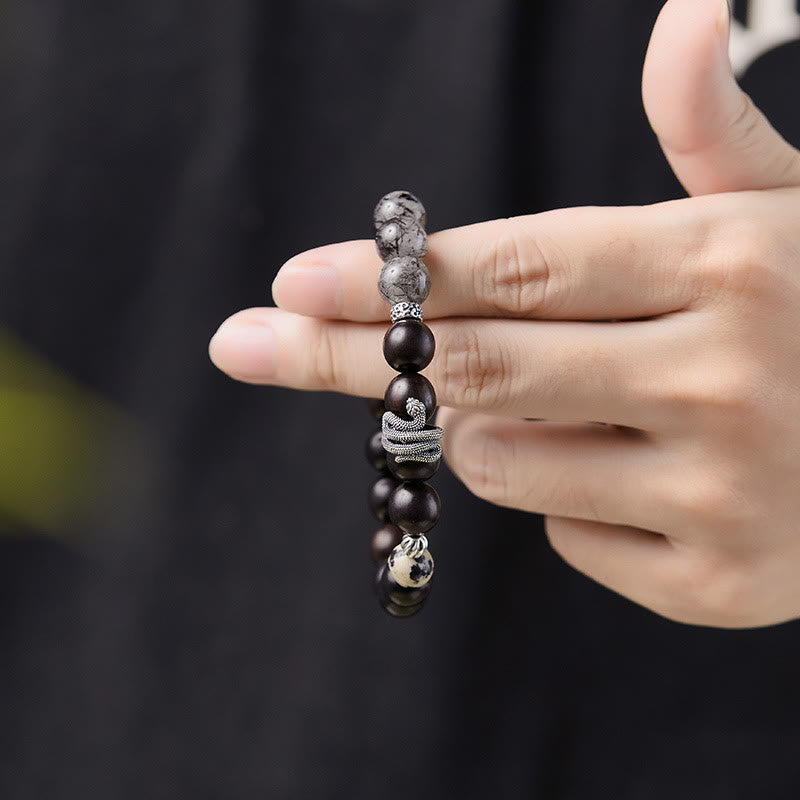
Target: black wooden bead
[
  {"x": 414, "y": 507},
  {"x": 395, "y": 610},
  {"x": 411, "y": 470},
  {"x": 384, "y": 540},
  {"x": 379, "y": 493},
  {"x": 376, "y": 408},
  {"x": 408, "y": 345},
  {"x": 405, "y": 385},
  {"x": 389, "y": 592},
  {"x": 375, "y": 453}
]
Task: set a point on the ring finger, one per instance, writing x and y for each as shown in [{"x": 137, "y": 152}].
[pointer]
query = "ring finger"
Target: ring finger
[{"x": 580, "y": 471}]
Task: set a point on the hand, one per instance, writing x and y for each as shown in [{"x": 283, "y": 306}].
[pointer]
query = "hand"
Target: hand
[{"x": 689, "y": 501}]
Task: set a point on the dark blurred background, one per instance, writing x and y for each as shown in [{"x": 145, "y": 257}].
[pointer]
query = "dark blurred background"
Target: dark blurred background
[{"x": 185, "y": 601}]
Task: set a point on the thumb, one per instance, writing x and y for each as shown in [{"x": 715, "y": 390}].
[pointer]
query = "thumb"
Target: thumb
[{"x": 713, "y": 136}]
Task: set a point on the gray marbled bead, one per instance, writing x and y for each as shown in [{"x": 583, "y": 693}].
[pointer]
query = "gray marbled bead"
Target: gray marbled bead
[
  {"x": 401, "y": 237},
  {"x": 398, "y": 204},
  {"x": 404, "y": 280}
]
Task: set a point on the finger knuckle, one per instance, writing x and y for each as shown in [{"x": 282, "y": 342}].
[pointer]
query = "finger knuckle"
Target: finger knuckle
[
  {"x": 514, "y": 270},
  {"x": 729, "y": 394},
  {"x": 745, "y": 124},
  {"x": 744, "y": 261},
  {"x": 715, "y": 589},
  {"x": 486, "y": 470},
  {"x": 324, "y": 370},
  {"x": 732, "y": 395},
  {"x": 714, "y": 500},
  {"x": 474, "y": 371}
]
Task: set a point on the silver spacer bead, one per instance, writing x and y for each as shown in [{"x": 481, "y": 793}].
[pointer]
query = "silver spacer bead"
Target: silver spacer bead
[
  {"x": 406, "y": 311},
  {"x": 412, "y": 546}
]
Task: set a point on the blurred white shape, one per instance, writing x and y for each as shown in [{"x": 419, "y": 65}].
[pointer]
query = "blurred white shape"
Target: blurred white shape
[{"x": 769, "y": 24}]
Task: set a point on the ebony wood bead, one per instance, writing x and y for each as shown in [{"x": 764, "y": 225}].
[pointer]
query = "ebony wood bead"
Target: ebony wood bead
[
  {"x": 411, "y": 470},
  {"x": 395, "y": 610},
  {"x": 384, "y": 540},
  {"x": 374, "y": 451},
  {"x": 408, "y": 345},
  {"x": 390, "y": 592},
  {"x": 379, "y": 493},
  {"x": 414, "y": 506},
  {"x": 405, "y": 385},
  {"x": 376, "y": 407}
]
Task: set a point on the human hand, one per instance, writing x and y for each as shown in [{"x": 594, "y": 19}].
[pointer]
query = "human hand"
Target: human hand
[{"x": 688, "y": 502}]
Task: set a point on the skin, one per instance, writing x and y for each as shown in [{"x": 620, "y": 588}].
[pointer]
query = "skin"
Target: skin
[{"x": 676, "y": 324}]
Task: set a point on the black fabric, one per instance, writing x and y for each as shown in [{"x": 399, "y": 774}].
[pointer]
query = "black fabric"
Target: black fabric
[{"x": 212, "y": 633}]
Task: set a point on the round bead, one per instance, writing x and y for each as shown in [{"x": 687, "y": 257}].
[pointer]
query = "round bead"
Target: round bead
[
  {"x": 376, "y": 407},
  {"x": 375, "y": 453},
  {"x": 405, "y": 385},
  {"x": 389, "y": 590},
  {"x": 404, "y": 279},
  {"x": 378, "y": 498},
  {"x": 410, "y": 571},
  {"x": 399, "y": 204},
  {"x": 411, "y": 470},
  {"x": 408, "y": 345},
  {"x": 414, "y": 506},
  {"x": 383, "y": 541},
  {"x": 401, "y": 237},
  {"x": 393, "y": 610}
]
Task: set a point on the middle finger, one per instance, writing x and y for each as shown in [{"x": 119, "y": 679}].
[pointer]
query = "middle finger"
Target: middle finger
[{"x": 561, "y": 371}]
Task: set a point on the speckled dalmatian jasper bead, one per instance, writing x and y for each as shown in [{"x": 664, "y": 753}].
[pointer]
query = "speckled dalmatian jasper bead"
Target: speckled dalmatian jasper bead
[
  {"x": 396, "y": 205},
  {"x": 404, "y": 279},
  {"x": 410, "y": 571},
  {"x": 401, "y": 237}
]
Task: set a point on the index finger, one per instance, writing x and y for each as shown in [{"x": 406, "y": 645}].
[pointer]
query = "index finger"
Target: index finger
[{"x": 573, "y": 264}]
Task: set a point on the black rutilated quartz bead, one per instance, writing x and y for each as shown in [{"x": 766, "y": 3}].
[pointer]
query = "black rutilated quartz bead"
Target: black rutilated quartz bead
[
  {"x": 399, "y": 205},
  {"x": 411, "y": 470},
  {"x": 408, "y": 345},
  {"x": 401, "y": 237},
  {"x": 409, "y": 384},
  {"x": 414, "y": 506},
  {"x": 376, "y": 455},
  {"x": 383, "y": 541},
  {"x": 404, "y": 279},
  {"x": 379, "y": 493}
]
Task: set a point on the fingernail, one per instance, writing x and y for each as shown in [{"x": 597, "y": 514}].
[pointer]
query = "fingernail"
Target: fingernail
[
  {"x": 724, "y": 24},
  {"x": 310, "y": 289},
  {"x": 244, "y": 348},
  {"x": 724, "y": 28},
  {"x": 724, "y": 20}
]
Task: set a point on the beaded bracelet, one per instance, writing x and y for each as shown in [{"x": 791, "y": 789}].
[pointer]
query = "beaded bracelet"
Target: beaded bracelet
[{"x": 405, "y": 449}]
